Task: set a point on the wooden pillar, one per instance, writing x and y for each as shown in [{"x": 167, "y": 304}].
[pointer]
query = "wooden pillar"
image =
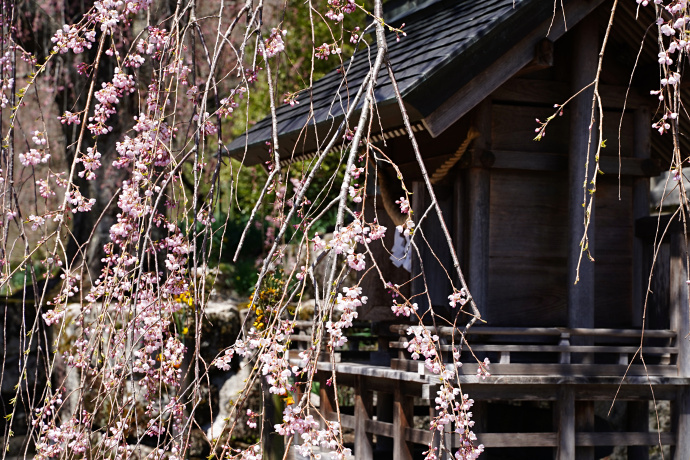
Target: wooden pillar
[
  {"x": 363, "y": 410},
  {"x": 642, "y": 122},
  {"x": 403, "y": 411},
  {"x": 679, "y": 301},
  {"x": 638, "y": 422},
  {"x": 479, "y": 189},
  {"x": 584, "y": 63},
  {"x": 566, "y": 424},
  {"x": 680, "y": 320},
  {"x": 681, "y": 414}
]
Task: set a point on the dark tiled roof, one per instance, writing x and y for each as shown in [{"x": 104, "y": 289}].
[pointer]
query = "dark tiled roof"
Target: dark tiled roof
[{"x": 446, "y": 46}]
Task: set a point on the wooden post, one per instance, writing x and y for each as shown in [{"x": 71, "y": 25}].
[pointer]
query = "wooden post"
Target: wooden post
[
  {"x": 479, "y": 190},
  {"x": 682, "y": 425},
  {"x": 566, "y": 424},
  {"x": 363, "y": 410},
  {"x": 679, "y": 301},
  {"x": 436, "y": 440},
  {"x": 679, "y": 323},
  {"x": 403, "y": 411},
  {"x": 638, "y": 422},
  {"x": 584, "y": 64},
  {"x": 642, "y": 121}
]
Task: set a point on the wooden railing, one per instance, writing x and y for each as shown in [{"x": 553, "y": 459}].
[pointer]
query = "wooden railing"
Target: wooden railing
[{"x": 553, "y": 351}]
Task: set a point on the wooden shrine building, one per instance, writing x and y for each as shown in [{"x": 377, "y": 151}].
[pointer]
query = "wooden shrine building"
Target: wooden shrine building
[{"x": 560, "y": 352}]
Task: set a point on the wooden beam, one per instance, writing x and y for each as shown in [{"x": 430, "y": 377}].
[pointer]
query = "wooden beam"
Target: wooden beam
[
  {"x": 545, "y": 161},
  {"x": 504, "y": 68},
  {"x": 530, "y": 91},
  {"x": 543, "y": 57},
  {"x": 580, "y": 270},
  {"x": 479, "y": 184}
]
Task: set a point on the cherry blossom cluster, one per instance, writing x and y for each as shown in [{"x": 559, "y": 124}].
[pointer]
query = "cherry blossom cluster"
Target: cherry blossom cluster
[
  {"x": 229, "y": 103},
  {"x": 155, "y": 43},
  {"x": 68, "y": 436},
  {"x": 70, "y": 38},
  {"x": 346, "y": 305},
  {"x": 108, "y": 97},
  {"x": 295, "y": 422},
  {"x": 132, "y": 319},
  {"x": 34, "y": 157},
  {"x": 325, "y": 50},
  {"x": 274, "y": 44},
  {"x": 339, "y": 8}
]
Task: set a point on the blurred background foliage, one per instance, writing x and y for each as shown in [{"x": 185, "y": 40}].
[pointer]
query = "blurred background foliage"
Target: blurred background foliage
[{"x": 241, "y": 185}]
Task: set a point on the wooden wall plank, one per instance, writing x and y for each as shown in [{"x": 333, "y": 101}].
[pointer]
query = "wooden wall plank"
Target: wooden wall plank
[
  {"x": 528, "y": 241},
  {"x": 614, "y": 262}
]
